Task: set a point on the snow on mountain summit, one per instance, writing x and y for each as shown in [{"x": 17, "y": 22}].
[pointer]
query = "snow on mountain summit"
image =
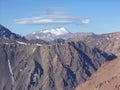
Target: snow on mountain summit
[
  {"x": 49, "y": 34},
  {"x": 55, "y": 31}
]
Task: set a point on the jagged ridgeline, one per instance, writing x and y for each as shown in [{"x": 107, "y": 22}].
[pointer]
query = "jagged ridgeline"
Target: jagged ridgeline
[{"x": 58, "y": 66}]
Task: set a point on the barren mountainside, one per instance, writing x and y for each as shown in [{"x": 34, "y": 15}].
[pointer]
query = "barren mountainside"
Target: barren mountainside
[
  {"x": 41, "y": 65},
  {"x": 107, "y": 42},
  {"x": 6, "y": 33},
  {"x": 106, "y": 78},
  {"x": 53, "y": 67}
]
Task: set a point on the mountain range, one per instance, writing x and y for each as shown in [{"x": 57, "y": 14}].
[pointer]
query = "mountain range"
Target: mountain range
[
  {"x": 55, "y": 33},
  {"x": 56, "y": 59}
]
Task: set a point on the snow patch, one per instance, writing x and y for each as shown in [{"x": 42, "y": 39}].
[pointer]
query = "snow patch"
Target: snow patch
[
  {"x": 35, "y": 78},
  {"x": 34, "y": 33},
  {"x": 56, "y": 31},
  {"x": 33, "y": 50},
  {"x": 20, "y": 70},
  {"x": 22, "y": 43},
  {"x": 6, "y": 43},
  {"x": 11, "y": 73},
  {"x": 37, "y": 37},
  {"x": 38, "y": 44},
  {"x": 117, "y": 38}
]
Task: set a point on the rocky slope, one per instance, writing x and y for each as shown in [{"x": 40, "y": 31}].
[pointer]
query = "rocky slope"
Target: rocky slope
[
  {"x": 58, "y": 65},
  {"x": 9, "y": 37},
  {"x": 109, "y": 42},
  {"x": 106, "y": 78},
  {"x": 7, "y": 34},
  {"x": 48, "y": 67}
]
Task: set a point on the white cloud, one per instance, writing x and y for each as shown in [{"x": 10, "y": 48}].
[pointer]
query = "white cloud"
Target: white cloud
[
  {"x": 53, "y": 17},
  {"x": 85, "y": 21}
]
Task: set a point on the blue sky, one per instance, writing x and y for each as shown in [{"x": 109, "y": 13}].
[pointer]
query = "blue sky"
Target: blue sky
[{"x": 26, "y": 16}]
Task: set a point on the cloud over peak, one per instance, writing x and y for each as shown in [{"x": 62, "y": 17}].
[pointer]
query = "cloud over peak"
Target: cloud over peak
[{"x": 51, "y": 16}]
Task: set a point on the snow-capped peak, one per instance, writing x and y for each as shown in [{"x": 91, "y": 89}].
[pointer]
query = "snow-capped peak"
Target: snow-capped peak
[
  {"x": 50, "y": 34},
  {"x": 34, "y": 33},
  {"x": 56, "y": 31}
]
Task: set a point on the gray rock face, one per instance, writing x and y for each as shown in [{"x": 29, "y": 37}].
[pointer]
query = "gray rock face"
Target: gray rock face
[{"x": 48, "y": 67}]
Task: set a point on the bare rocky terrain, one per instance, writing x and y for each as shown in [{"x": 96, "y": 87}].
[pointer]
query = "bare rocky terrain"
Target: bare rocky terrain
[
  {"x": 58, "y": 65},
  {"x": 53, "y": 67},
  {"x": 106, "y": 78},
  {"x": 107, "y": 42}
]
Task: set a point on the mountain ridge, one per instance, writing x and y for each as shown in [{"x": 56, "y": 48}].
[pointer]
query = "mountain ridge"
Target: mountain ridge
[
  {"x": 57, "y": 65},
  {"x": 53, "y": 67},
  {"x": 5, "y": 33},
  {"x": 56, "y": 33}
]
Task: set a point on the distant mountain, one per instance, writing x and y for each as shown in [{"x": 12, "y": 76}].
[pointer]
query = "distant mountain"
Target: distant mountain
[
  {"x": 109, "y": 42},
  {"x": 80, "y": 36},
  {"x": 56, "y": 33},
  {"x": 49, "y": 34}
]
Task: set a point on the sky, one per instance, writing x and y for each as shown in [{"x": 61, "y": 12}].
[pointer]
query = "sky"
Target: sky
[{"x": 26, "y": 16}]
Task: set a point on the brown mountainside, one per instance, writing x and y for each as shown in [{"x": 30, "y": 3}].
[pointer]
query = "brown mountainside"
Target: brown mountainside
[
  {"x": 48, "y": 67},
  {"x": 58, "y": 65},
  {"x": 107, "y": 42},
  {"x": 106, "y": 78}
]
